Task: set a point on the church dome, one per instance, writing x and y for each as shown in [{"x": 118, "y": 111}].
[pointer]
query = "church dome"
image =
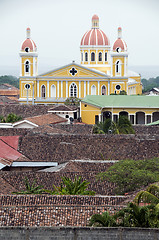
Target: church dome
[
  {"x": 28, "y": 44},
  {"x": 120, "y": 43},
  {"x": 95, "y": 36}
]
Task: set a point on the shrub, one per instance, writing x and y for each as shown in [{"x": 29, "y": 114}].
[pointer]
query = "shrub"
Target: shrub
[{"x": 130, "y": 175}]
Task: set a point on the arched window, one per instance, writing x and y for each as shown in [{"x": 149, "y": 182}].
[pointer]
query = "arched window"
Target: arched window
[
  {"x": 103, "y": 90},
  {"x": 106, "y": 57},
  {"x": 86, "y": 56},
  {"x": 100, "y": 57},
  {"x": 73, "y": 90},
  {"x": 118, "y": 67},
  {"x": 27, "y": 67},
  {"x": 92, "y": 56},
  {"x": 53, "y": 91},
  {"x": 93, "y": 90},
  {"x": 43, "y": 91}
]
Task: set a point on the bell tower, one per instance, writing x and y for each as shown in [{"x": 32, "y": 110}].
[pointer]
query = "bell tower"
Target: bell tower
[
  {"x": 119, "y": 57},
  {"x": 28, "y": 55}
]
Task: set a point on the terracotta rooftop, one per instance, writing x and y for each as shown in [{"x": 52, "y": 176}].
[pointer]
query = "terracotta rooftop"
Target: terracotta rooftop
[
  {"x": 46, "y": 119},
  {"x": 63, "y": 108},
  {"x": 5, "y": 187}
]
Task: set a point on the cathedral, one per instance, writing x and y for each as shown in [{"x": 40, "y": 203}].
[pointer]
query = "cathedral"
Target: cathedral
[{"x": 103, "y": 70}]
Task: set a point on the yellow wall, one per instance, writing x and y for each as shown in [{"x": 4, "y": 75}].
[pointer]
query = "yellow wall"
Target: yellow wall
[
  {"x": 88, "y": 113},
  {"x": 23, "y": 65}
]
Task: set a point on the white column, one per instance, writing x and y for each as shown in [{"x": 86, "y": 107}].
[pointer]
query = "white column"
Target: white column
[
  {"x": 135, "y": 119},
  {"x": 48, "y": 95},
  {"x": 88, "y": 87},
  {"x": 84, "y": 88},
  {"x": 98, "y": 88},
  {"x": 151, "y": 118},
  {"x": 37, "y": 88},
  {"x": 79, "y": 89},
  {"x": 66, "y": 89},
  {"x": 89, "y": 57},
  {"x": 100, "y": 117},
  {"x": 96, "y": 56},
  {"x": 108, "y": 87},
  {"x": 61, "y": 88},
  {"x": 58, "y": 89}
]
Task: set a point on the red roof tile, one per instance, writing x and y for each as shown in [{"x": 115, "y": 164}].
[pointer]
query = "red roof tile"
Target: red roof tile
[{"x": 11, "y": 140}]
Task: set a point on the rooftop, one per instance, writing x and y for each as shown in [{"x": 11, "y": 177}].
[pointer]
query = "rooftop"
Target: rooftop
[{"x": 115, "y": 101}]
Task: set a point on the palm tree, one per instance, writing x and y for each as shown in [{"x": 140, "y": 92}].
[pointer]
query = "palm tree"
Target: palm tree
[
  {"x": 75, "y": 187},
  {"x": 133, "y": 216},
  {"x": 31, "y": 188},
  {"x": 151, "y": 195},
  {"x": 102, "y": 220}
]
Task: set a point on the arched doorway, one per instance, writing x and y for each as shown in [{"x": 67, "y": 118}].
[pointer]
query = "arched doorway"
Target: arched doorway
[
  {"x": 107, "y": 115},
  {"x": 103, "y": 90},
  {"x": 140, "y": 118},
  {"x": 155, "y": 116},
  {"x": 123, "y": 113}
]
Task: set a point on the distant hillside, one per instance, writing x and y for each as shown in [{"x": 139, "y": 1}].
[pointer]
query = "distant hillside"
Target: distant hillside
[
  {"x": 10, "y": 80},
  {"x": 150, "y": 83}
]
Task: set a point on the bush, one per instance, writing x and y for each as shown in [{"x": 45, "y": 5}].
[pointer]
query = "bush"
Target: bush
[
  {"x": 130, "y": 175},
  {"x": 124, "y": 126}
]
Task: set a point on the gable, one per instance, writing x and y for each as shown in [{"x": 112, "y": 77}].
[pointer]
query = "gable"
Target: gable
[{"x": 73, "y": 71}]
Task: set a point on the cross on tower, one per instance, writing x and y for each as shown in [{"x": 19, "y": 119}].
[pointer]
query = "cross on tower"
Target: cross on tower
[{"x": 73, "y": 71}]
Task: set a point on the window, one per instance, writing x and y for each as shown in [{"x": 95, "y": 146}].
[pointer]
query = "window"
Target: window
[
  {"x": 118, "y": 87},
  {"x": 67, "y": 116},
  {"x": 53, "y": 91},
  {"x": 96, "y": 119},
  {"x": 73, "y": 90},
  {"x": 92, "y": 56},
  {"x": 100, "y": 57},
  {"x": 93, "y": 90},
  {"x": 106, "y": 57},
  {"x": 27, "y": 66},
  {"x": 27, "y": 49},
  {"x": 103, "y": 90},
  {"x": 43, "y": 91},
  {"x": 86, "y": 57},
  {"x": 118, "y": 67}
]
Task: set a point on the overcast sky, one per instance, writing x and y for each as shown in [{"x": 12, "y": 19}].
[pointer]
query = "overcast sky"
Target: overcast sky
[{"x": 57, "y": 27}]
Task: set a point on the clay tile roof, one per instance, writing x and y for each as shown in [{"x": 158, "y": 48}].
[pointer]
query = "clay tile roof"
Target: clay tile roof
[
  {"x": 46, "y": 119},
  {"x": 5, "y": 187},
  {"x": 63, "y": 108}
]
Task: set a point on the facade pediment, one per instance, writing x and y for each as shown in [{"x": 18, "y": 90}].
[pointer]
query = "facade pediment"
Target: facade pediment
[{"x": 73, "y": 71}]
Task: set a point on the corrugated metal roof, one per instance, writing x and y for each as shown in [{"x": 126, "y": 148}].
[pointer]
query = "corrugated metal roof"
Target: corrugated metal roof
[{"x": 122, "y": 101}]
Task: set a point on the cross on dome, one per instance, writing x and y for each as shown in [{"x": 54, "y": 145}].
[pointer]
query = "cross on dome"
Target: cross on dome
[{"x": 73, "y": 71}]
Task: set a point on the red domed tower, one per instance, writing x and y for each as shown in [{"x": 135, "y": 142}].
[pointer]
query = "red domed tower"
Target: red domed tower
[
  {"x": 28, "y": 54},
  {"x": 119, "y": 56},
  {"x": 95, "y": 48}
]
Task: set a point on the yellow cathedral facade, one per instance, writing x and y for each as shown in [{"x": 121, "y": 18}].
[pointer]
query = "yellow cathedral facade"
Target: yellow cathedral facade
[{"x": 103, "y": 70}]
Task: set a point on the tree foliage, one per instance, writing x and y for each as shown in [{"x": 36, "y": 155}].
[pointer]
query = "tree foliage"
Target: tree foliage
[
  {"x": 10, "y": 80},
  {"x": 72, "y": 187},
  {"x": 10, "y": 118},
  {"x": 31, "y": 188},
  {"x": 72, "y": 101},
  {"x": 123, "y": 126},
  {"x": 130, "y": 175},
  {"x": 150, "y": 83},
  {"x": 151, "y": 195},
  {"x": 131, "y": 216}
]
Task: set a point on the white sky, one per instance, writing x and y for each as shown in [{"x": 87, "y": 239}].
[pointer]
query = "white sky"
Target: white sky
[{"x": 57, "y": 27}]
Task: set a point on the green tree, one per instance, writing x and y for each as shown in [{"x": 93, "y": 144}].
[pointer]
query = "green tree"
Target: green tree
[
  {"x": 10, "y": 80},
  {"x": 72, "y": 187},
  {"x": 72, "y": 101},
  {"x": 102, "y": 220},
  {"x": 130, "y": 175},
  {"x": 136, "y": 216},
  {"x": 11, "y": 118},
  {"x": 124, "y": 125},
  {"x": 151, "y": 195},
  {"x": 31, "y": 188}
]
